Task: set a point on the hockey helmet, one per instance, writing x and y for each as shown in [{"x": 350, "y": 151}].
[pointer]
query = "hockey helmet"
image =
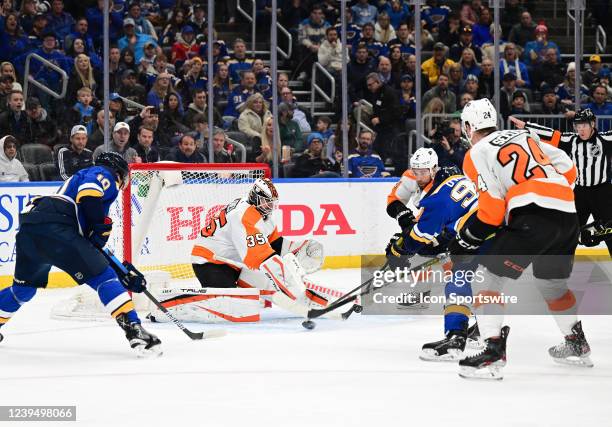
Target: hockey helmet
[
  {"x": 424, "y": 158},
  {"x": 585, "y": 115},
  {"x": 479, "y": 114},
  {"x": 264, "y": 196},
  {"x": 115, "y": 163}
]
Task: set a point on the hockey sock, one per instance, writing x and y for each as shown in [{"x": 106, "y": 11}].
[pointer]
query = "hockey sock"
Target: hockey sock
[
  {"x": 561, "y": 302},
  {"x": 456, "y": 314},
  {"x": 113, "y": 295},
  {"x": 12, "y": 298},
  {"x": 490, "y": 316}
]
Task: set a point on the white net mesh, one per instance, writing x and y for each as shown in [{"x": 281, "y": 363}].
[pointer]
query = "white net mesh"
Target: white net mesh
[{"x": 169, "y": 205}]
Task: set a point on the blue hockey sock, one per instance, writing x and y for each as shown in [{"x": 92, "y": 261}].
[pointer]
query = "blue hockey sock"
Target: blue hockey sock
[
  {"x": 12, "y": 298},
  {"x": 113, "y": 295},
  {"x": 456, "y": 313}
]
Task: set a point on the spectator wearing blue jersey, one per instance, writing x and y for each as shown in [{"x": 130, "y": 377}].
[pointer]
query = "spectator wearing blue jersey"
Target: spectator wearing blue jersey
[
  {"x": 535, "y": 50},
  {"x": 364, "y": 13},
  {"x": 240, "y": 94},
  {"x": 469, "y": 66},
  {"x": 135, "y": 40},
  {"x": 353, "y": 31},
  {"x": 363, "y": 162},
  {"x": 482, "y": 30},
  {"x": 375, "y": 48},
  {"x": 601, "y": 107},
  {"x": 13, "y": 42},
  {"x": 435, "y": 15},
  {"x": 80, "y": 30},
  {"x": 566, "y": 90},
  {"x": 398, "y": 12},
  {"x": 510, "y": 64},
  {"x": 95, "y": 19},
  {"x": 143, "y": 25},
  {"x": 239, "y": 61},
  {"x": 402, "y": 40}
]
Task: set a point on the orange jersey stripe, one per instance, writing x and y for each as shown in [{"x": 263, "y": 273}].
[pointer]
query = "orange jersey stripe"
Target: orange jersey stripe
[
  {"x": 468, "y": 167},
  {"x": 258, "y": 253},
  {"x": 571, "y": 174},
  {"x": 541, "y": 188}
]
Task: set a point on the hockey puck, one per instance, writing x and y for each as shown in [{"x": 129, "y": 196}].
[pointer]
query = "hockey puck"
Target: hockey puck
[
  {"x": 309, "y": 324},
  {"x": 357, "y": 308}
]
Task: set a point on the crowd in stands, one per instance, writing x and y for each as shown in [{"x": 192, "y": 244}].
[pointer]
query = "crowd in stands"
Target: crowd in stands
[{"x": 159, "y": 82}]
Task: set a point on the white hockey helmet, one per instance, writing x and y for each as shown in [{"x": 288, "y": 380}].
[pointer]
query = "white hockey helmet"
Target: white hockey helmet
[
  {"x": 479, "y": 114},
  {"x": 264, "y": 196},
  {"x": 424, "y": 158}
]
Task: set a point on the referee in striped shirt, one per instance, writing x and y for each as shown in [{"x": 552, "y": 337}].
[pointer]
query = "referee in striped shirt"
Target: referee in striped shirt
[{"x": 591, "y": 152}]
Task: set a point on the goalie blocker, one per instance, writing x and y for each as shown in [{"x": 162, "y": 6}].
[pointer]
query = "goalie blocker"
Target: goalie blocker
[{"x": 243, "y": 264}]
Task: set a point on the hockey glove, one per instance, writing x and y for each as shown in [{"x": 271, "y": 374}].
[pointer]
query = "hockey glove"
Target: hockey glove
[
  {"x": 464, "y": 247},
  {"x": 406, "y": 221},
  {"x": 397, "y": 257},
  {"x": 596, "y": 232},
  {"x": 100, "y": 233},
  {"x": 134, "y": 281}
]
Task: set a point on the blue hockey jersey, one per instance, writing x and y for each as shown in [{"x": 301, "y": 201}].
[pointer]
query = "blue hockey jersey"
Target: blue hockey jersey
[
  {"x": 447, "y": 205},
  {"x": 96, "y": 181}
]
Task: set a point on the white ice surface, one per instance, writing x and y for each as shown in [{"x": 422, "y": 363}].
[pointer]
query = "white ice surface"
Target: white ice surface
[{"x": 362, "y": 372}]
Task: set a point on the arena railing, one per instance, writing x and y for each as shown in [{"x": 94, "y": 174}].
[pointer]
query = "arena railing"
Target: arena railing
[
  {"x": 361, "y": 124},
  {"x": 28, "y": 79},
  {"x": 315, "y": 88},
  {"x": 601, "y": 40},
  {"x": 251, "y": 18}
]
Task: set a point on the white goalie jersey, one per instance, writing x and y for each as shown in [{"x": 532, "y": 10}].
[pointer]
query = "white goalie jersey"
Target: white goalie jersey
[{"x": 237, "y": 236}]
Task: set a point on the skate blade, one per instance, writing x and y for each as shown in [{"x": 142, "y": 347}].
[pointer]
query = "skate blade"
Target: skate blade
[
  {"x": 491, "y": 372},
  {"x": 430, "y": 355},
  {"x": 416, "y": 306},
  {"x": 148, "y": 353},
  {"x": 581, "y": 362}
]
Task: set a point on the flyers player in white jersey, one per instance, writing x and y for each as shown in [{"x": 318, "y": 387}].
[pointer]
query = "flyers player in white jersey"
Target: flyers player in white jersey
[
  {"x": 241, "y": 248},
  {"x": 526, "y": 187}
]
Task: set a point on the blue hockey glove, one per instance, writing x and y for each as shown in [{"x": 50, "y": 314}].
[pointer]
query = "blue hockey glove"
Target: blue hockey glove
[{"x": 100, "y": 233}]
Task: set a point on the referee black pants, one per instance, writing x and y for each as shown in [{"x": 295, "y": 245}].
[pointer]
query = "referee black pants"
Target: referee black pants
[{"x": 596, "y": 201}]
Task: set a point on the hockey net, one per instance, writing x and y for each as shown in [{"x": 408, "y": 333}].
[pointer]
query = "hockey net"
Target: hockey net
[{"x": 158, "y": 216}]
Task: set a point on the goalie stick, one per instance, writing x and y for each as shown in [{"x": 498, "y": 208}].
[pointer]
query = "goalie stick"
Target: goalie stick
[
  {"x": 351, "y": 296},
  {"x": 124, "y": 269}
]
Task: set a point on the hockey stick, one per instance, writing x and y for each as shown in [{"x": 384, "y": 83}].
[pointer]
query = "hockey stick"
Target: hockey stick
[
  {"x": 123, "y": 270},
  {"x": 351, "y": 296}
]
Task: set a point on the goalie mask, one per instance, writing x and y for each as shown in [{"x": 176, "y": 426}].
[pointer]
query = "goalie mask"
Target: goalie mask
[{"x": 264, "y": 197}]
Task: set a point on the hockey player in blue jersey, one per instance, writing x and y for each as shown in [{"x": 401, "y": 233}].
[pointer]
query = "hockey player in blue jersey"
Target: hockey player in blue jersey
[
  {"x": 68, "y": 230},
  {"x": 445, "y": 199}
]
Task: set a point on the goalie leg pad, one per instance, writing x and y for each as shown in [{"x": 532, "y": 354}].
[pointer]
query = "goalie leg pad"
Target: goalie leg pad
[{"x": 210, "y": 305}]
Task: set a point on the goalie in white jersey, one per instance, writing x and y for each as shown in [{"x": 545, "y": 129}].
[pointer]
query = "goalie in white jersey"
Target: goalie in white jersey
[
  {"x": 526, "y": 215},
  {"x": 241, "y": 261}
]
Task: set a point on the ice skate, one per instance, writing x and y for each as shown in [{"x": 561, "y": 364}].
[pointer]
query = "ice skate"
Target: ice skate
[
  {"x": 487, "y": 364},
  {"x": 449, "y": 349},
  {"x": 574, "y": 351},
  {"x": 144, "y": 343}
]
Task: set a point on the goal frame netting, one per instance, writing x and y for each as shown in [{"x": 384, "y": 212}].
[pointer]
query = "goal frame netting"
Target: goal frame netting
[{"x": 170, "y": 166}]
